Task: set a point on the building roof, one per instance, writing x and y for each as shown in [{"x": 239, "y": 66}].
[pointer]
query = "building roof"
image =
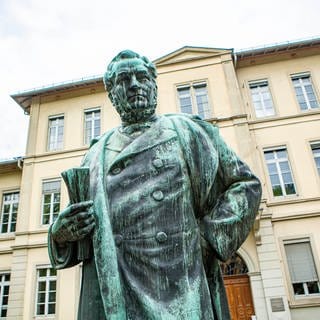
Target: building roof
[
  {"x": 10, "y": 165},
  {"x": 278, "y": 47},
  {"x": 24, "y": 98}
]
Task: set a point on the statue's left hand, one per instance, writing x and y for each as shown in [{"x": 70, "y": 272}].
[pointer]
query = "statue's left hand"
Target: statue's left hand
[{"x": 73, "y": 223}]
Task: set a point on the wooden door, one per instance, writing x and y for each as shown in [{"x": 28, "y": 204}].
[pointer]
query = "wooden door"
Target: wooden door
[{"x": 239, "y": 296}]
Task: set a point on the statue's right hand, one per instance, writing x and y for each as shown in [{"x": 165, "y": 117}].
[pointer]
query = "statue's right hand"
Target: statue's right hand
[{"x": 73, "y": 223}]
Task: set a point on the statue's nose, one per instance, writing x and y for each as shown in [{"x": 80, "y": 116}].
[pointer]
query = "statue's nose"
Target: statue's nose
[{"x": 134, "y": 84}]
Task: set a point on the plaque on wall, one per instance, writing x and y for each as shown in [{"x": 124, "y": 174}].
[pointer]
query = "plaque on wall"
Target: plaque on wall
[{"x": 277, "y": 305}]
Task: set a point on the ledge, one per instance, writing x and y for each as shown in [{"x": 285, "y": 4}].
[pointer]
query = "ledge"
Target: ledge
[
  {"x": 276, "y": 121},
  {"x": 289, "y": 200},
  {"x": 296, "y": 216},
  {"x": 64, "y": 152},
  {"x": 30, "y": 246},
  {"x": 231, "y": 118},
  {"x": 7, "y": 236},
  {"x": 307, "y": 302},
  {"x": 27, "y": 233},
  {"x": 6, "y": 251}
]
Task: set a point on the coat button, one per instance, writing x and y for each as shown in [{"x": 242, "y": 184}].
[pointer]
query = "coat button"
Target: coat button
[
  {"x": 158, "y": 163},
  {"x": 157, "y": 195},
  {"x": 161, "y": 237},
  {"x": 116, "y": 170},
  {"x": 118, "y": 239}
]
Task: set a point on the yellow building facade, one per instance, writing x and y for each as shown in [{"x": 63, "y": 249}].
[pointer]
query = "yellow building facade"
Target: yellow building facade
[{"x": 266, "y": 102}]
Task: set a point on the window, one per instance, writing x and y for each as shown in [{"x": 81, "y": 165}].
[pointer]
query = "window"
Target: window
[
  {"x": 302, "y": 270},
  {"x": 50, "y": 201},
  {"x": 279, "y": 172},
  {"x": 46, "y": 291},
  {"x": 233, "y": 266},
  {"x": 55, "y": 134},
  {"x": 261, "y": 98},
  {"x": 194, "y": 99},
  {"x": 304, "y": 91},
  {"x": 9, "y": 212},
  {"x": 91, "y": 125},
  {"x": 4, "y": 294},
  {"x": 315, "y": 147}
]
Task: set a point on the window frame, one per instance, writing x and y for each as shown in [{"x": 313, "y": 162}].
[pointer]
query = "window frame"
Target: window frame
[
  {"x": 300, "y": 300},
  {"x": 300, "y": 75},
  {"x": 311, "y": 143},
  {"x": 283, "y": 196},
  {"x": 56, "y": 147},
  {"x": 85, "y": 112},
  {"x": 4, "y": 283},
  {"x": 10, "y": 213},
  {"x": 192, "y": 86},
  {"x": 258, "y": 83},
  {"x": 47, "y": 280},
  {"x": 51, "y": 213}
]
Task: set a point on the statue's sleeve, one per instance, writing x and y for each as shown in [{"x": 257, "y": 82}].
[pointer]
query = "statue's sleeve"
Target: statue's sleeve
[
  {"x": 62, "y": 256},
  {"x": 232, "y": 199},
  {"x": 68, "y": 255}
]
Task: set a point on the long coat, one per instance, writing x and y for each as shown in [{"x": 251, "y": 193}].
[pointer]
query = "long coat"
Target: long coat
[{"x": 168, "y": 205}]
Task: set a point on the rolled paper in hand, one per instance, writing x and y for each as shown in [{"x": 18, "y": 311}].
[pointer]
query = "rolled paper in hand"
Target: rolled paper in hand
[{"x": 77, "y": 181}]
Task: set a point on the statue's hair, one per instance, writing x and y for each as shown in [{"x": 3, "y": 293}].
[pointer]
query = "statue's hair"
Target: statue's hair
[{"x": 109, "y": 76}]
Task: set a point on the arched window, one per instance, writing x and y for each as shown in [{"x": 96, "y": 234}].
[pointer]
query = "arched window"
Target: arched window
[{"x": 234, "y": 266}]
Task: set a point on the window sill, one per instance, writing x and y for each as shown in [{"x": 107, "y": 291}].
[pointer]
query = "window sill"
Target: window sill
[
  {"x": 304, "y": 302},
  {"x": 264, "y": 118},
  {"x": 283, "y": 200},
  {"x": 299, "y": 114},
  {"x": 310, "y": 110},
  {"x": 7, "y": 236}
]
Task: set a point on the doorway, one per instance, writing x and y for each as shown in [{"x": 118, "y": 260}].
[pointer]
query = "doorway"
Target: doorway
[{"x": 238, "y": 289}]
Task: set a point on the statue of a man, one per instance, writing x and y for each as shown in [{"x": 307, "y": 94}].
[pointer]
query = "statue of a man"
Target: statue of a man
[{"x": 168, "y": 200}]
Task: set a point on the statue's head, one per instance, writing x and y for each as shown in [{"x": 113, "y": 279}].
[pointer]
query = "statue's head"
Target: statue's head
[{"x": 130, "y": 80}]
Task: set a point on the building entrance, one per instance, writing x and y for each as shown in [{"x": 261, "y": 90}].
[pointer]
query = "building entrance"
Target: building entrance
[{"x": 237, "y": 284}]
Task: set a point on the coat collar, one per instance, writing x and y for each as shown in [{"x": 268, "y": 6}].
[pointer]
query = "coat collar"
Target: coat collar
[{"x": 159, "y": 132}]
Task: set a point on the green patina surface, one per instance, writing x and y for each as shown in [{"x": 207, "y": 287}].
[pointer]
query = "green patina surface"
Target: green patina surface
[{"x": 169, "y": 199}]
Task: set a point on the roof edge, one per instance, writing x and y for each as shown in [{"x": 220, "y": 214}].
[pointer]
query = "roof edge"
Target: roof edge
[
  {"x": 23, "y": 98},
  {"x": 11, "y": 164},
  {"x": 279, "y": 46}
]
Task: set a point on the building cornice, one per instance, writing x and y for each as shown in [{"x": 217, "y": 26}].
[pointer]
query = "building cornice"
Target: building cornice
[
  {"x": 278, "y": 47},
  {"x": 277, "y": 52},
  {"x": 24, "y": 98}
]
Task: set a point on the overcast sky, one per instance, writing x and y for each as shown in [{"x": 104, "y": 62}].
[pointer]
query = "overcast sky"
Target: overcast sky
[{"x": 44, "y": 42}]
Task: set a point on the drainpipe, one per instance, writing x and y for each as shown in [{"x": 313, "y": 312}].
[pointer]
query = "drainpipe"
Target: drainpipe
[
  {"x": 19, "y": 162},
  {"x": 235, "y": 59}
]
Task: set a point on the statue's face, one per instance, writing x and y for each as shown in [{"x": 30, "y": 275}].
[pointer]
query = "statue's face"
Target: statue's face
[{"x": 134, "y": 93}]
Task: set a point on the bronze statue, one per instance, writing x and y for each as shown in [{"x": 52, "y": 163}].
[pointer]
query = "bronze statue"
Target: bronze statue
[{"x": 167, "y": 200}]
